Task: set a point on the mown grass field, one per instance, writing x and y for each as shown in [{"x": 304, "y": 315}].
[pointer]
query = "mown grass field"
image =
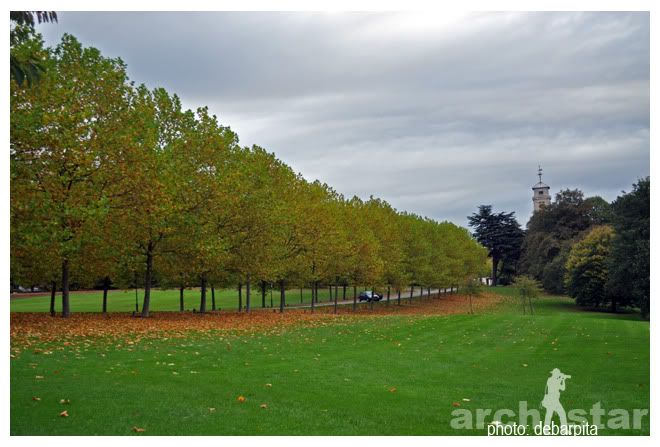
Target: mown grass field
[
  {"x": 378, "y": 375},
  {"x": 165, "y": 299}
]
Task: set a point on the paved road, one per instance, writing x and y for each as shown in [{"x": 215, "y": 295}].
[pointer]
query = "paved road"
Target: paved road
[{"x": 405, "y": 295}]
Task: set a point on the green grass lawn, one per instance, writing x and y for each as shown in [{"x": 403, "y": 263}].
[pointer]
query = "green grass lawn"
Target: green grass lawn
[
  {"x": 386, "y": 375},
  {"x": 164, "y": 300}
]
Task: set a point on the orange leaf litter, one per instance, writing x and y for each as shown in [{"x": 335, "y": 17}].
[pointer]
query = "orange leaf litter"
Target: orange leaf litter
[{"x": 28, "y": 328}]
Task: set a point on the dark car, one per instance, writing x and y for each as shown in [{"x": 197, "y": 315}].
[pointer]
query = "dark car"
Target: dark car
[{"x": 368, "y": 295}]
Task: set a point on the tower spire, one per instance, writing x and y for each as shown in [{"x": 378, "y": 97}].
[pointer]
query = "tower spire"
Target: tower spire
[{"x": 540, "y": 172}]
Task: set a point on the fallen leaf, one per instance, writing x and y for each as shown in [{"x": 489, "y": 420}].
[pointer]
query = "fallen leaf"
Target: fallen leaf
[
  {"x": 65, "y": 401},
  {"x": 393, "y": 390},
  {"x": 36, "y": 398},
  {"x": 264, "y": 406},
  {"x": 465, "y": 399},
  {"x": 241, "y": 399},
  {"x": 138, "y": 430},
  {"x": 269, "y": 385},
  {"x": 64, "y": 414},
  {"x": 456, "y": 404},
  {"x": 211, "y": 410}
]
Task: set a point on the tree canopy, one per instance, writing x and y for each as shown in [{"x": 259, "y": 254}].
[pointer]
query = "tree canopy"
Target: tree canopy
[
  {"x": 552, "y": 231},
  {"x": 629, "y": 263},
  {"x": 501, "y": 234},
  {"x": 586, "y": 267}
]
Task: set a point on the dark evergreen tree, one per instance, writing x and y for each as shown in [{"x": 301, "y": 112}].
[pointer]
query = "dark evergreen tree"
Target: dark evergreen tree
[
  {"x": 501, "y": 234},
  {"x": 629, "y": 262}
]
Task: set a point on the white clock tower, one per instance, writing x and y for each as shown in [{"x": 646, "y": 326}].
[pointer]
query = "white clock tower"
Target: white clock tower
[{"x": 541, "y": 196}]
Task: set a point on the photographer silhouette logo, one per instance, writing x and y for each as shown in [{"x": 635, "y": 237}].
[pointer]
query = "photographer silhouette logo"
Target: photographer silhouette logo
[
  {"x": 529, "y": 420},
  {"x": 555, "y": 384}
]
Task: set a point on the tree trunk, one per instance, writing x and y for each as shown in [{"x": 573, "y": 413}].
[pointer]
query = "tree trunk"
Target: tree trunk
[
  {"x": 412, "y": 290},
  {"x": 398, "y": 296},
  {"x": 470, "y": 298},
  {"x": 106, "y": 284},
  {"x": 282, "y": 296},
  {"x": 301, "y": 295},
  {"x": 66, "y": 310},
  {"x": 354, "y": 298},
  {"x": 147, "y": 280},
  {"x": 428, "y": 292},
  {"x": 53, "y": 291},
  {"x": 531, "y": 308},
  {"x": 202, "y": 303},
  {"x": 240, "y": 296},
  {"x": 247, "y": 294},
  {"x": 263, "y": 294},
  {"x": 388, "y": 294},
  {"x": 136, "y": 296},
  {"x": 181, "y": 298},
  {"x": 212, "y": 297},
  {"x": 315, "y": 291},
  {"x": 343, "y": 297},
  {"x": 336, "y": 294},
  {"x": 495, "y": 262}
]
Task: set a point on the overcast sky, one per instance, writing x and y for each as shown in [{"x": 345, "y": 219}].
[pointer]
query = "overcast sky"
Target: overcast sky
[{"x": 435, "y": 113}]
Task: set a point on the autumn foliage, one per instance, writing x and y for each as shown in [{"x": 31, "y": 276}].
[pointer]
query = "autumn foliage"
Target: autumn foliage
[
  {"x": 113, "y": 183},
  {"x": 36, "y": 328}
]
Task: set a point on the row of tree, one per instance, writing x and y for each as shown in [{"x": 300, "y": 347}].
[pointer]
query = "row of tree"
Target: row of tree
[{"x": 111, "y": 181}]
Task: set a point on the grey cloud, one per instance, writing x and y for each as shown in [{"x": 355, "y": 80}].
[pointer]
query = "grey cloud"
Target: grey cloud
[{"x": 435, "y": 116}]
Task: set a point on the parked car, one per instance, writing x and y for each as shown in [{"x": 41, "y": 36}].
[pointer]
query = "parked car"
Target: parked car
[{"x": 368, "y": 295}]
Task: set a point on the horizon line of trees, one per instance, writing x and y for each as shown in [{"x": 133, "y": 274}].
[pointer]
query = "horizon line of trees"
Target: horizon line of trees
[{"x": 111, "y": 182}]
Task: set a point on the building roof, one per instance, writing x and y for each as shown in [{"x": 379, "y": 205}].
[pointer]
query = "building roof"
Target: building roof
[{"x": 540, "y": 185}]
